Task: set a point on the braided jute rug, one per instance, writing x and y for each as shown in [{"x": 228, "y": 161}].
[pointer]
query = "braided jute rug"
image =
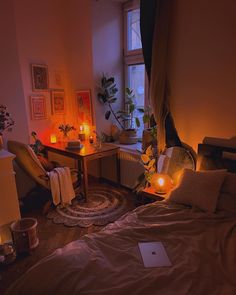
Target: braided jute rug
[{"x": 105, "y": 204}]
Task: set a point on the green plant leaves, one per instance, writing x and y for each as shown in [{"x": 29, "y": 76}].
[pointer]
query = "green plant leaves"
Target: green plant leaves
[
  {"x": 107, "y": 115},
  {"x": 137, "y": 122},
  {"x": 146, "y": 118},
  {"x": 145, "y": 159}
]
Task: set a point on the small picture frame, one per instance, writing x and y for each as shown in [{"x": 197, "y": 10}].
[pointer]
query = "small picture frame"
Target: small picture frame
[
  {"x": 84, "y": 106},
  {"x": 39, "y": 77},
  {"x": 38, "y": 107},
  {"x": 58, "y": 102}
]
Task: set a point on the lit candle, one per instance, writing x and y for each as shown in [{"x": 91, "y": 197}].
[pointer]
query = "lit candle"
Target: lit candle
[
  {"x": 86, "y": 130},
  {"x": 161, "y": 183},
  {"x": 90, "y": 139},
  {"x": 81, "y": 128},
  {"x": 53, "y": 138}
]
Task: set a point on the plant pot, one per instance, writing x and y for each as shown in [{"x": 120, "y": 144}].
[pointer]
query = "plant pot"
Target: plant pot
[
  {"x": 1, "y": 142},
  {"x": 128, "y": 136},
  {"x": 147, "y": 138}
]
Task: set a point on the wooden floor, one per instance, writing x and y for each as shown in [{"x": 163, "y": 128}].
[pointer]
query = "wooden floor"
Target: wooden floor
[{"x": 51, "y": 236}]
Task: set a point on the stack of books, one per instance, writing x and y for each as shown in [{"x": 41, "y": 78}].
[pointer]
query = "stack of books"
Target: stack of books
[{"x": 74, "y": 144}]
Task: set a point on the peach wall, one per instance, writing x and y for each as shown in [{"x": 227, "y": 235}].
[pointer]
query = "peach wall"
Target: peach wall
[
  {"x": 79, "y": 48},
  {"x": 10, "y": 77},
  {"x": 107, "y": 32},
  {"x": 202, "y": 69},
  {"x": 41, "y": 37}
]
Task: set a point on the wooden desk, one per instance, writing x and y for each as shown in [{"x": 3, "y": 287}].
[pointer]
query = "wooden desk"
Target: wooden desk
[{"x": 84, "y": 155}]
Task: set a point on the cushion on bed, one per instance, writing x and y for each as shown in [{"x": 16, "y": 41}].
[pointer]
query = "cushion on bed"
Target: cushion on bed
[
  {"x": 229, "y": 184},
  {"x": 227, "y": 198},
  {"x": 227, "y": 203},
  {"x": 199, "y": 188}
]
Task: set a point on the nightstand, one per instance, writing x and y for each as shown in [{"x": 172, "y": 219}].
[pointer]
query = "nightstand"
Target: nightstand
[{"x": 148, "y": 195}]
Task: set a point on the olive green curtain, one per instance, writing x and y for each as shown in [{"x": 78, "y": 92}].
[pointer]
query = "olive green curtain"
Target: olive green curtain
[{"x": 154, "y": 25}]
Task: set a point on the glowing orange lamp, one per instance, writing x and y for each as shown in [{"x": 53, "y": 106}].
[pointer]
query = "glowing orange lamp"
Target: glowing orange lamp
[
  {"x": 161, "y": 183},
  {"x": 53, "y": 138}
]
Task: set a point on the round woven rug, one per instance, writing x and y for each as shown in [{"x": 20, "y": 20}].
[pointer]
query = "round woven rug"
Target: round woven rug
[{"x": 105, "y": 205}]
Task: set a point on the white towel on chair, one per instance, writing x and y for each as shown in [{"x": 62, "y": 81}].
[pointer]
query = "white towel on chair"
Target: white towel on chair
[{"x": 61, "y": 185}]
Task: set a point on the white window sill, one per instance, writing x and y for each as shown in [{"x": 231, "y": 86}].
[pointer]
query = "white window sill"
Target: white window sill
[{"x": 133, "y": 148}]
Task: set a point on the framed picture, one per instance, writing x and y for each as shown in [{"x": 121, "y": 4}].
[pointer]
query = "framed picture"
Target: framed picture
[
  {"x": 38, "y": 107},
  {"x": 39, "y": 77},
  {"x": 84, "y": 105},
  {"x": 58, "y": 102}
]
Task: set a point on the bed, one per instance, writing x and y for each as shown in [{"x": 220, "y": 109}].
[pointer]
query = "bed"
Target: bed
[{"x": 200, "y": 244}]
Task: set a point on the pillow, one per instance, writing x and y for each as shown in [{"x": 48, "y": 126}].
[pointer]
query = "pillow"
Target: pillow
[
  {"x": 229, "y": 184},
  {"x": 227, "y": 198},
  {"x": 227, "y": 202},
  {"x": 199, "y": 188}
]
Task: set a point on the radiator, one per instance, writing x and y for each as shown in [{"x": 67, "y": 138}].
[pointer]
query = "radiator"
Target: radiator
[{"x": 130, "y": 168}]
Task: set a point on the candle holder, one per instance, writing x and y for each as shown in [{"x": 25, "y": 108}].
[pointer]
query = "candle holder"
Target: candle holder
[
  {"x": 91, "y": 139},
  {"x": 161, "y": 183},
  {"x": 82, "y": 136},
  {"x": 53, "y": 138}
]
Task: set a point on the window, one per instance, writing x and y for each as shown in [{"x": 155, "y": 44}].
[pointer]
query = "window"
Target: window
[
  {"x": 133, "y": 30},
  {"x": 135, "y": 74}
]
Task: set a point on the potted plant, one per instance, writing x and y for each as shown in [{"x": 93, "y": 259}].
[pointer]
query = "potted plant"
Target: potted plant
[
  {"x": 65, "y": 129},
  {"x": 129, "y": 134},
  {"x": 5, "y": 122},
  {"x": 150, "y": 133},
  {"x": 126, "y": 119},
  {"x": 106, "y": 96}
]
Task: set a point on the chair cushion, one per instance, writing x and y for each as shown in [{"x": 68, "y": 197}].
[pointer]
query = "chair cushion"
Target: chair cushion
[{"x": 28, "y": 161}]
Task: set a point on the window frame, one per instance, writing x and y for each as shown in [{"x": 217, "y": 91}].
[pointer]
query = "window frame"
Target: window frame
[{"x": 135, "y": 56}]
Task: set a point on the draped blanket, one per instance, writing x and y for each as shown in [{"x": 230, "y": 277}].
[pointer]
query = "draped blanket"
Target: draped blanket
[
  {"x": 201, "y": 247},
  {"x": 61, "y": 185}
]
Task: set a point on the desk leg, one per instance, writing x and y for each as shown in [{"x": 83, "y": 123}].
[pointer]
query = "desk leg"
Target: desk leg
[
  {"x": 118, "y": 168},
  {"x": 85, "y": 179}
]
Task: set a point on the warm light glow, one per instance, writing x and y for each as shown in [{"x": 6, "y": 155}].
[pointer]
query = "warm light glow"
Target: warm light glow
[
  {"x": 53, "y": 138},
  {"x": 81, "y": 128},
  {"x": 86, "y": 129},
  {"x": 161, "y": 181}
]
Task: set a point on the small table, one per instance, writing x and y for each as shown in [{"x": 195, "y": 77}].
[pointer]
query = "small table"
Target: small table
[
  {"x": 87, "y": 153},
  {"x": 149, "y": 193}
]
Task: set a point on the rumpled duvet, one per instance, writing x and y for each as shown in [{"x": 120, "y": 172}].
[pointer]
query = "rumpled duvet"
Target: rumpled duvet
[{"x": 200, "y": 245}]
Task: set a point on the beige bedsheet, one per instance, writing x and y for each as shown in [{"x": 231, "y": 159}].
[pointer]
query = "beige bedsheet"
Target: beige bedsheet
[{"x": 201, "y": 247}]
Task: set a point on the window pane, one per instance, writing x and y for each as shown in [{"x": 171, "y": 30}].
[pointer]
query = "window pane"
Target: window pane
[
  {"x": 136, "y": 81},
  {"x": 134, "y": 36}
]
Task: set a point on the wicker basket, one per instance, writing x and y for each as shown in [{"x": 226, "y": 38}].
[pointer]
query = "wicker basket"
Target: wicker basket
[{"x": 24, "y": 235}]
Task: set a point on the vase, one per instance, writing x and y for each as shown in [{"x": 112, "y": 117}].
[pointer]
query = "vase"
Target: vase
[{"x": 1, "y": 142}]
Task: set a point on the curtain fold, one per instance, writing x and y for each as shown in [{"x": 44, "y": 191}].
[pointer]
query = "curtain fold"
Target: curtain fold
[{"x": 154, "y": 25}]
